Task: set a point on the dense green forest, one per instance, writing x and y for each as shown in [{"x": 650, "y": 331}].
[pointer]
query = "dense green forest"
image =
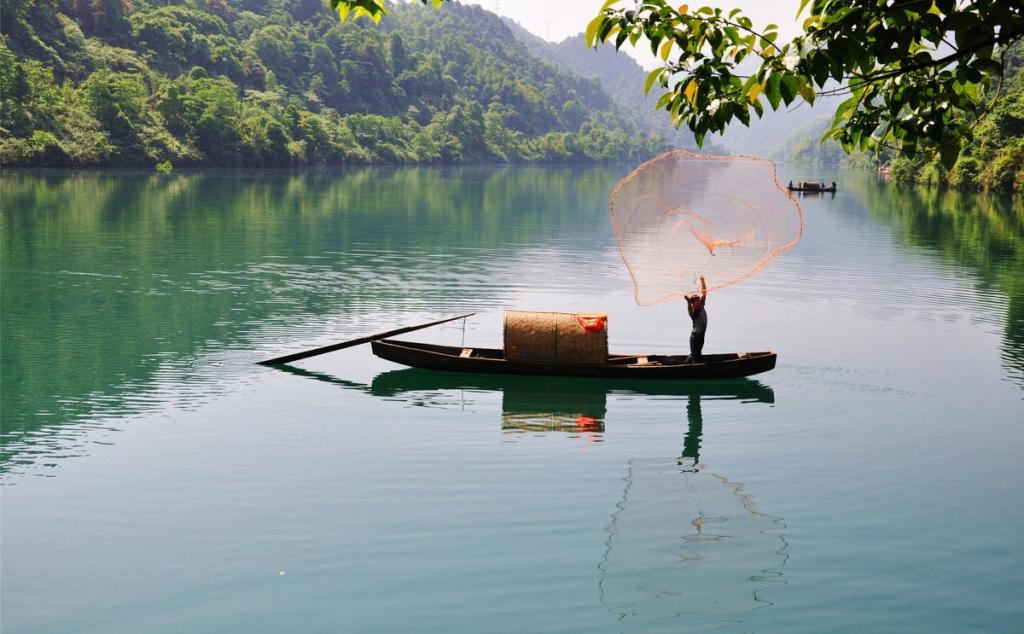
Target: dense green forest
[
  {"x": 994, "y": 159},
  {"x": 619, "y": 75},
  {"x": 283, "y": 82}
]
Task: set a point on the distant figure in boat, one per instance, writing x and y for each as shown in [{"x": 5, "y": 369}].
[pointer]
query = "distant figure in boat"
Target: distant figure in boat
[
  {"x": 812, "y": 187},
  {"x": 695, "y": 307}
]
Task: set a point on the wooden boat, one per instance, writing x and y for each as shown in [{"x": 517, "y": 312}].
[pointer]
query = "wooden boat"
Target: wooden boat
[
  {"x": 651, "y": 366},
  {"x": 812, "y": 188}
]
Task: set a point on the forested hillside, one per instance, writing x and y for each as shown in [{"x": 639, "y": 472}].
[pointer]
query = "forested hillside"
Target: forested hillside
[
  {"x": 283, "y": 82},
  {"x": 994, "y": 159},
  {"x": 619, "y": 75},
  {"x": 623, "y": 79}
]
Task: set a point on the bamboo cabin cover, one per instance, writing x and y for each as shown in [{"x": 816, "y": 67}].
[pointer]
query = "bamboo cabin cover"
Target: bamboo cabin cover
[{"x": 558, "y": 338}]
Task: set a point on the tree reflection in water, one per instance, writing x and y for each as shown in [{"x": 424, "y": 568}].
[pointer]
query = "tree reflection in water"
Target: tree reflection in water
[{"x": 981, "y": 234}]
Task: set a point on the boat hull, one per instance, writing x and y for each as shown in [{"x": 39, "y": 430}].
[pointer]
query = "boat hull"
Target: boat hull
[
  {"x": 813, "y": 190},
  {"x": 492, "y": 361}
]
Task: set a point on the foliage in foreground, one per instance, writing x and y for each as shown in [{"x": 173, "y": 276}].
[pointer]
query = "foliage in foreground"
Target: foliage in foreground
[
  {"x": 258, "y": 83},
  {"x": 993, "y": 160}
]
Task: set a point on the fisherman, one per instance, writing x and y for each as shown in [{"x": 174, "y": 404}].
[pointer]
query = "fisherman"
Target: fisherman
[{"x": 695, "y": 307}]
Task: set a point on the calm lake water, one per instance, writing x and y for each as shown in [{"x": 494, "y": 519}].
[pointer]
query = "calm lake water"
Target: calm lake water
[{"x": 156, "y": 480}]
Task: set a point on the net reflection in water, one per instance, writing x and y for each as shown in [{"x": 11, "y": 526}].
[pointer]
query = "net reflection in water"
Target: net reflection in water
[{"x": 688, "y": 549}]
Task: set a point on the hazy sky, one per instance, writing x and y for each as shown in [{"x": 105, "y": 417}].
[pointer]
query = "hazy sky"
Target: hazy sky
[{"x": 556, "y": 20}]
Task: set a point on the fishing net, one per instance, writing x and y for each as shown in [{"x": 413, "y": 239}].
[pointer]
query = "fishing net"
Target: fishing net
[{"x": 682, "y": 215}]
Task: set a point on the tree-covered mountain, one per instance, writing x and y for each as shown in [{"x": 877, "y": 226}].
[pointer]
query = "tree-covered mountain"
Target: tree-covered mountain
[
  {"x": 619, "y": 75},
  {"x": 623, "y": 79},
  {"x": 283, "y": 82}
]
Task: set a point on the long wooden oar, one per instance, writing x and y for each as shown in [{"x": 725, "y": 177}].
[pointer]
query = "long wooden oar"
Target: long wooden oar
[{"x": 288, "y": 358}]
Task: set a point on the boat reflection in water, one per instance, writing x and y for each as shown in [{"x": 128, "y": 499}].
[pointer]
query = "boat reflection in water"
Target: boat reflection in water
[
  {"x": 539, "y": 404},
  {"x": 688, "y": 549},
  {"x": 528, "y": 404}
]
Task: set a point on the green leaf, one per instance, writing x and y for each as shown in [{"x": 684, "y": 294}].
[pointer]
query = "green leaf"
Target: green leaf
[
  {"x": 591, "y": 32},
  {"x": 971, "y": 89},
  {"x": 988, "y": 66},
  {"x": 819, "y": 68},
  {"x": 807, "y": 92},
  {"x": 651, "y": 78},
  {"x": 743, "y": 114},
  {"x": 663, "y": 101},
  {"x": 855, "y": 136},
  {"x": 773, "y": 92},
  {"x": 665, "y": 49},
  {"x": 605, "y": 30},
  {"x": 788, "y": 88},
  {"x": 373, "y": 9},
  {"x": 949, "y": 153},
  {"x": 677, "y": 105},
  {"x": 619, "y": 39}
]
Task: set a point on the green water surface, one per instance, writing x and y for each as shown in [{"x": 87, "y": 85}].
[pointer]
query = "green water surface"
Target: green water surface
[{"x": 156, "y": 480}]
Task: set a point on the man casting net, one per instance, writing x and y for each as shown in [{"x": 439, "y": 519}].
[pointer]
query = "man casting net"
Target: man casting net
[{"x": 683, "y": 216}]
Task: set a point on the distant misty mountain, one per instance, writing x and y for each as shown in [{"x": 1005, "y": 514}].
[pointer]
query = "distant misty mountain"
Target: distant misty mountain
[
  {"x": 776, "y": 133},
  {"x": 619, "y": 75},
  {"x": 623, "y": 79}
]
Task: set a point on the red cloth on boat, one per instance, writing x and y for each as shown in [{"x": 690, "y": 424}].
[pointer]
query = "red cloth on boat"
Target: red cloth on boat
[{"x": 592, "y": 322}]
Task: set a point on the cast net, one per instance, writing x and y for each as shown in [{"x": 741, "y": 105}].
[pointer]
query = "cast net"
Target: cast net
[{"x": 683, "y": 215}]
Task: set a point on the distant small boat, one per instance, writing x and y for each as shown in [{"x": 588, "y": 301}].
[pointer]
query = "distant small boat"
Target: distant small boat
[
  {"x": 651, "y": 366},
  {"x": 812, "y": 187}
]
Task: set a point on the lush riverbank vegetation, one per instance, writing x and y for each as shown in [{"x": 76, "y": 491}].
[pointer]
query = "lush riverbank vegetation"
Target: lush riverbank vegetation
[
  {"x": 992, "y": 161},
  {"x": 278, "y": 83}
]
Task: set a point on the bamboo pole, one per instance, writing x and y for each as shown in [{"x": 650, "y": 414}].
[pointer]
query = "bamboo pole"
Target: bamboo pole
[{"x": 288, "y": 358}]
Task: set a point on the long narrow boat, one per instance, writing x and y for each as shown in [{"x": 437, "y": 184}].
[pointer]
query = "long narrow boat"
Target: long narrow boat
[
  {"x": 651, "y": 366},
  {"x": 813, "y": 189}
]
